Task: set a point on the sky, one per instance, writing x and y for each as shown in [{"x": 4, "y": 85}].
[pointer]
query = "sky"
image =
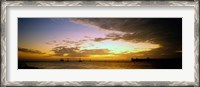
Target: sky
[{"x": 50, "y": 39}]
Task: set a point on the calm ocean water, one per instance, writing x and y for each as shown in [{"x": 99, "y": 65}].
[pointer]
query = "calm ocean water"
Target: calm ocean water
[{"x": 103, "y": 65}]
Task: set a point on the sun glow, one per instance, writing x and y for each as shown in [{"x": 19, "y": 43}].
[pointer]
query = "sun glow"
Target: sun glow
[{"x": 120, "y": 46}]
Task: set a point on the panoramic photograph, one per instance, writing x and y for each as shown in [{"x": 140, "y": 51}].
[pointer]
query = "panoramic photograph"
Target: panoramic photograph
[{"x": 99, "y": 43}]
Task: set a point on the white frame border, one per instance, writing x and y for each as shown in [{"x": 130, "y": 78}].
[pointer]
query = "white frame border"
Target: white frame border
[{"x": 4, "y": 82}]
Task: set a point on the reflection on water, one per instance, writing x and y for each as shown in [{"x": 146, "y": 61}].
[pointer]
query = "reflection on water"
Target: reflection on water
[{"x": 101, "y": 65}]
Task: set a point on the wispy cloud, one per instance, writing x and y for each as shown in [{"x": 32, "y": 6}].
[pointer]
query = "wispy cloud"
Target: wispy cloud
[
  {"x": 26, "y": 50},
  {"x": 67, "y": 42},
  {"x": 76, "y": 52}
]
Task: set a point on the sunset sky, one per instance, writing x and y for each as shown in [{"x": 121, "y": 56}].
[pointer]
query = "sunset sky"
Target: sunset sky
[{"x": 49, "y": 39}]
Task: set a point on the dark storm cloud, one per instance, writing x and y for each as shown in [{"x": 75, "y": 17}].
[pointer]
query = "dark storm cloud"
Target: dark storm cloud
[
  {"x": 100, "y": 39},
  {"x": 111, "y": 36},
  {"x": 164, "y": 31},
  {"x": 120, "y": 24},
  {"x": 162, "y": 52},
  {"x": 76, "y": 52},
  {"x": 26, "y": 50}
]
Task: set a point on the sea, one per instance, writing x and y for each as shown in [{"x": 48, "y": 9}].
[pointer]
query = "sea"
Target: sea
[{"x": 102, "y": 65}]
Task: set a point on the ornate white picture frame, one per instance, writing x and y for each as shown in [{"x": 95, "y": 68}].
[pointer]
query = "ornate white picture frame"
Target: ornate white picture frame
[{"x": 90, "y": 4}]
